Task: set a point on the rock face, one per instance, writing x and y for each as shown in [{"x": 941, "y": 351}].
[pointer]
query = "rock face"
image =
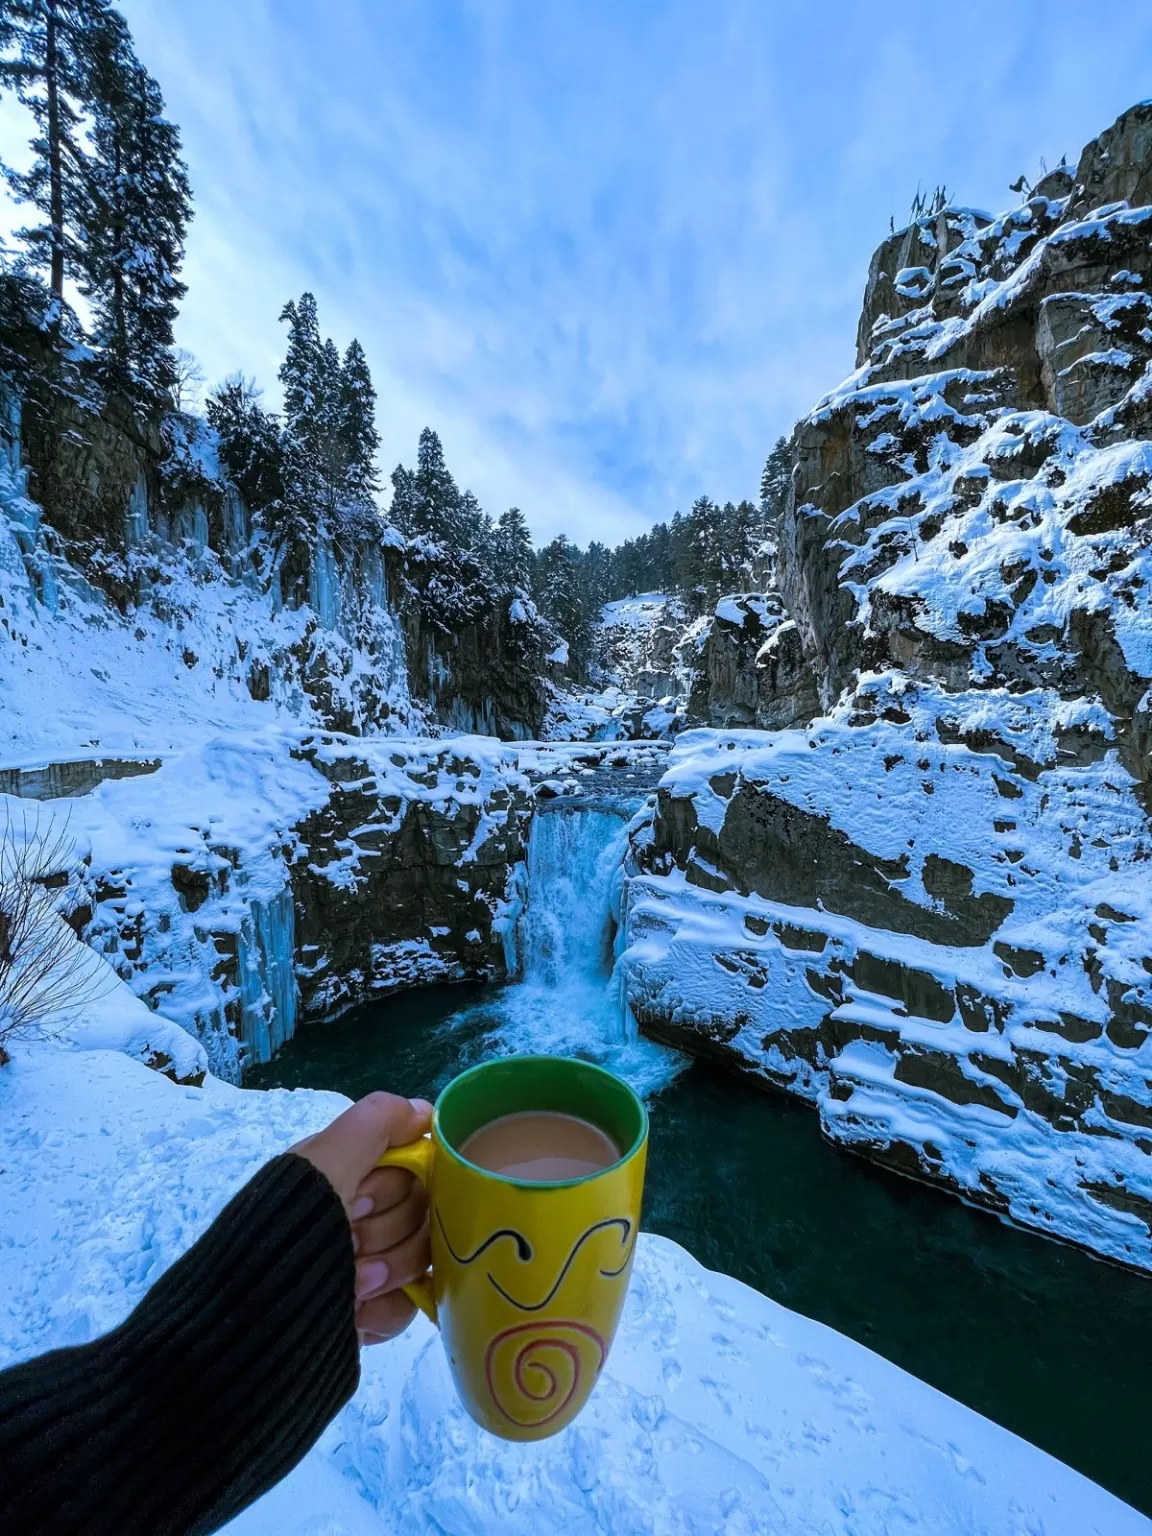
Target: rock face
[
  {"x": 750, "y": 667},
  {"x": 264, "y": 879},
  {"x": 409, "y": 873},
  {"x": 636, "y": 645},
  {"x": 485, "y": 676},
  {"x": 143, "y": 530},
  {"x": 929, "y": 910}
]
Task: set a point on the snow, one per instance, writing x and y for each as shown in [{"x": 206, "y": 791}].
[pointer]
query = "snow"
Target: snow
[
  {"x": 611, "y": 713},
  {"x": 219, "y": 815},
  {"x": 718, "y": 1410},
  {"x": 638, "y": 612},
  {"x": 730, "y": 611},
  {"x": 559, "y": 654}
]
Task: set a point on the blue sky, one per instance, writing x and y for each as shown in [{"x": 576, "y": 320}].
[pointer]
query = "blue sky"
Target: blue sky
[{"x": 609, "y": 248}]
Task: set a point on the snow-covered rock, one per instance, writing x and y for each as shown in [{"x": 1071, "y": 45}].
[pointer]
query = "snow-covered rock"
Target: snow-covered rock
[
  {"x": 929, "y": 911},
  {"x": 749, "y": 666},
  {"x": 635, "y": 644},
  {"x": 932, "y": 917},
  {"x": 263, "y": 877},
  {"x": 719, "y": 1410}
]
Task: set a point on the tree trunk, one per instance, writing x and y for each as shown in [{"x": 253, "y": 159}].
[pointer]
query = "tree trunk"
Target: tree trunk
[{"x": 55, "y": 171}]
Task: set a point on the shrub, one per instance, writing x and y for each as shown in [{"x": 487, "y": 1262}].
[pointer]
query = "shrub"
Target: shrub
[{"x": 45, "y": 971}]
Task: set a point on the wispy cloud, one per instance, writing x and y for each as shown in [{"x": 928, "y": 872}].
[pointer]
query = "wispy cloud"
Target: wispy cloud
[{"x": 610, "y": 250}]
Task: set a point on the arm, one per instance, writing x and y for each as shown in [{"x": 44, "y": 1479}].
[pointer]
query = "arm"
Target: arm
[{"x": 237, "y": 1358}]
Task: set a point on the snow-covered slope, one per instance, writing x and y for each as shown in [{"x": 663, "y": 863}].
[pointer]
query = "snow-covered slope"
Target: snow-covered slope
[{"x": 719, "y": 1411}]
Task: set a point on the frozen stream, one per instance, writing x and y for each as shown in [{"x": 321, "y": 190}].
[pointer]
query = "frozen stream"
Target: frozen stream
[{"x": 1038, "y": 1336}]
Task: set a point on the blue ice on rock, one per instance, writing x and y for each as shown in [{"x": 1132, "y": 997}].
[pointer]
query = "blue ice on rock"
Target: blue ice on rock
[{"x": 267, "y": 976}]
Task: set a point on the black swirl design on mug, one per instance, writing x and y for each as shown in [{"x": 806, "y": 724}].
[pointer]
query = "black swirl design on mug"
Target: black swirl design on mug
[
  {"x": 524, "y": 1254},
  {"x": 523, "y": 1246}
]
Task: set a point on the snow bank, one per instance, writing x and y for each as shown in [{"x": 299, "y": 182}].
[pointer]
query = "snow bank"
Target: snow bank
[{"x": 719, "y": 1410}]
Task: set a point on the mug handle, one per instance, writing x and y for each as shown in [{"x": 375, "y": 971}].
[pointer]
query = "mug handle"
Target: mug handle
[{"x": 417, "y": 1157}]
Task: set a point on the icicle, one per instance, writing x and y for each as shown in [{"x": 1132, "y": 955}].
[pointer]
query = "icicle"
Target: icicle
[{"x": 267, "y": 976}]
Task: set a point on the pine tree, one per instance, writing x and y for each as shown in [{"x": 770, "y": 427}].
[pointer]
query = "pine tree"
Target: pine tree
[
  {"x": 134, "y": 217},
  {"x": 405, "y": 511},
  {"x": 559, "y": 599},
  {"x": 437, "y": 494},
  {"x": 47, "y": 59},
  {"x": 300, "y": 376},
  {"x": 250, "y": 447},
  {"x": 300, "y": 369},
  {"x": 513, "y": 554},
  {"x": 592, "y": 573},
  {"x": 326, "y": 435},
  {"x": 776, "y": 481},
  {"x": 358, "y": 435}
]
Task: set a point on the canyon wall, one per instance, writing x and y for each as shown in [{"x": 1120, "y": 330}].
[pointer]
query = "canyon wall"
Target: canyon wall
[
  {"x": 926, "y": 906},
  {"x": 142, "y": 529}
]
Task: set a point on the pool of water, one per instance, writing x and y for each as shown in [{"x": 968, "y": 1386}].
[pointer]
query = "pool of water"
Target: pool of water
[{"x": 1038, "y": 1336}]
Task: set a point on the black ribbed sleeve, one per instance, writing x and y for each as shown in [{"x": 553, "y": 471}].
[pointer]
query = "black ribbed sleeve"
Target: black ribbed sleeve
[{"x": 212, "y": 1390}]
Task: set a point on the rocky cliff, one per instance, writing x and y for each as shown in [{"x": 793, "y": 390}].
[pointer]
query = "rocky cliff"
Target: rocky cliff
[
  {"x": 137, "y": 533},
  {"x": 262, "y": 879},
  {"x": 410, "y": 872},
  {"x": 927, "y": 906},
  {"x": 266, "y": 878}
]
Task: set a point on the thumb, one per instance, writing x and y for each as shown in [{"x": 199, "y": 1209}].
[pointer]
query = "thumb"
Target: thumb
[{"x": 355, "y": 1141}]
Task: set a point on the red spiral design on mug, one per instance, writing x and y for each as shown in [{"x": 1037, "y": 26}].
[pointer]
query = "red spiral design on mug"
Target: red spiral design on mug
[{"x": 548, "y": 1363}]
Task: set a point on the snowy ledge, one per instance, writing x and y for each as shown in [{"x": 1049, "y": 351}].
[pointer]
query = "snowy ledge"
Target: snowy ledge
[{"x": 719, "y": 1409}]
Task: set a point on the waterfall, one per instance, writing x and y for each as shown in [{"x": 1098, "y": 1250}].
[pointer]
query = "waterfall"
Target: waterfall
[
  {"x": 566, "y": 1001},
  {"x": 574, "y": 856}
]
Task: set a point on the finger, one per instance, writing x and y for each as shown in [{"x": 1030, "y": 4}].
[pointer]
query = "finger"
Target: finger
[
  {"x": 384, "y": 1317},
  {"x": 377, "y": 1234},
  {"x": 357, "y": 1139},
  {"x": 382, "y": 1120},
  {"x": 380, "y": 1191},
  {"x": 400, "y": 1266}
]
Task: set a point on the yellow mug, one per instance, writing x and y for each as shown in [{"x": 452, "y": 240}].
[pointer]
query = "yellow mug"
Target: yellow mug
[{"x": 528, "y": 1279}]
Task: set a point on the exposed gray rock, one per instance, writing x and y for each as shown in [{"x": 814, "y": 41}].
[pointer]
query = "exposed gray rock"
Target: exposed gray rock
[
  {"x": 1117, "y": 166},
  {"x": 407, "y": 874},
  {"x": 61, "y": 780},
  {"x": 751, "y": 668}
]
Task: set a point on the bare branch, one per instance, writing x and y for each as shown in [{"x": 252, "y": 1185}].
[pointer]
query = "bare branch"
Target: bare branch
[{"x": 46, "y": 973}]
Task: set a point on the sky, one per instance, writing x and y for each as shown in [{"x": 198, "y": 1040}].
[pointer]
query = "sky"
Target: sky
[{"x": 609, "y": 249}]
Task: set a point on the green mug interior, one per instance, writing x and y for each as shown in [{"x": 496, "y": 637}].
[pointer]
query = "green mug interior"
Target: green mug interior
[{"x": 513, "y": 1084}]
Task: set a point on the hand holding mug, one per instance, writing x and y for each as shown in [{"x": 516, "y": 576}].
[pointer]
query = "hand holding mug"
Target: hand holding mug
[{"x": 387, "y": 1207}]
